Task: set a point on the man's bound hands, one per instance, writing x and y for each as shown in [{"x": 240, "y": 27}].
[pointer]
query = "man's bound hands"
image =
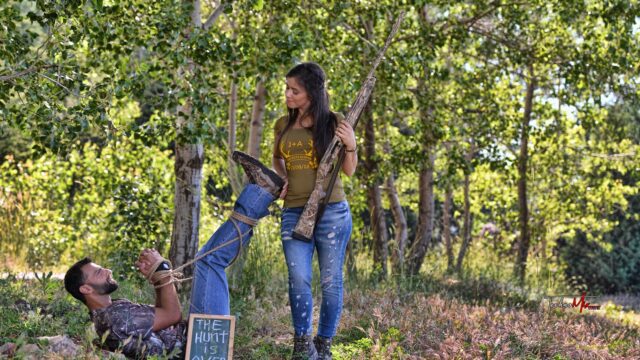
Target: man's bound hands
[{"x": 147, "y": 258}]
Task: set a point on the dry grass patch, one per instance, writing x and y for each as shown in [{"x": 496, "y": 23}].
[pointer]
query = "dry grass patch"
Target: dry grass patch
[{"x": 434, "y": 327}]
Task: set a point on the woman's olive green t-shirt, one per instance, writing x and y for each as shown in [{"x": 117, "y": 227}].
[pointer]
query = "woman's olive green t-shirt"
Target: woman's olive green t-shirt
[{"x": 296, "y": 148}]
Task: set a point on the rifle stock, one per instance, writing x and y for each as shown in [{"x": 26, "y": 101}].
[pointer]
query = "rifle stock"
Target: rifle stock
[{"x": 313, "y": 208}]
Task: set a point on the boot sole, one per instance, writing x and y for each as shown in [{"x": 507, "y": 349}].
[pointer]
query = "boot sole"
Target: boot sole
[{"x": 265, "y": 170}]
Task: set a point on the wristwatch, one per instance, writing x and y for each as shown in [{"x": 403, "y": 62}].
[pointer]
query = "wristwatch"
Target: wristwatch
[{"x": 164, "y": 266}]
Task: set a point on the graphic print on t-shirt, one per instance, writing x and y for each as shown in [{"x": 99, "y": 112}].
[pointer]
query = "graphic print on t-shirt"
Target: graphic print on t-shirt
[{"x": 298, "y": 155}]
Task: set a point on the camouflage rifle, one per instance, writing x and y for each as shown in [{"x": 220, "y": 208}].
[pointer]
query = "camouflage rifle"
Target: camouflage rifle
[{"x": 313, "y": 209}]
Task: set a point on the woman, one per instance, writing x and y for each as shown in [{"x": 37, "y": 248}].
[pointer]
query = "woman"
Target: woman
[{"x": 302, "y": 137}]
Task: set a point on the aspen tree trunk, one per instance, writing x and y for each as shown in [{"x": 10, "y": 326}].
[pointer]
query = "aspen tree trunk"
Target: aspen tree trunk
[
  {"x": 425, "y": 215},
  {"x": 257, "y": 120},
  {"x": 466, "y": 237},
  {"x": 523, "y": 207},
  {"x": 350, "y": 261},
  {"x": 400, "y": 222},
  {"x": 426, "y": 203},
  {"x": 189, "y": 159},
  {"x": 543, "y": 251},
  {"x": 235, "y": 175},
  {"x": 399, "y": 219},
  {"x": 234, "y": 178},
  {"x": 446, "y": 226},
  {"x": 256, "y": 127},
  {"x": 374, "y": 197},
  {"x": 188, "y": 171}
]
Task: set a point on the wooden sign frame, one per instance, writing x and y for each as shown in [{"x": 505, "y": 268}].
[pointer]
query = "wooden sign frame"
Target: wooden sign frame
[{"x": 232, "y": 330}]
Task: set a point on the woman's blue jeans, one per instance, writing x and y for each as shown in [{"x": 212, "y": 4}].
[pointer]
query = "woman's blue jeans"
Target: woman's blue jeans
[
  {"x": 210, "y": 290},
  {"x": 330, "y": 239}
]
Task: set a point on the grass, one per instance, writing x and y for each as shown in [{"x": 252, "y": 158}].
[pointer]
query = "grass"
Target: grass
[
  {"x": 380, "y": 323},
  {"x": 422, "y": 317},
  {"x": 479, "y": 315}
]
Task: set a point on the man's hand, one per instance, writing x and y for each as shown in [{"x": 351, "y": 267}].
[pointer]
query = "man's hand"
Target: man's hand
[
  {"x": 147, "y": 258},
  {"x": 167, "y": 310}
]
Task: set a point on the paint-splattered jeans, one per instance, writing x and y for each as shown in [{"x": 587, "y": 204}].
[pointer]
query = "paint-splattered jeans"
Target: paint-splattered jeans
[
  {"x": 330, "y": 239},
  {"x": 210, "y": 290}
]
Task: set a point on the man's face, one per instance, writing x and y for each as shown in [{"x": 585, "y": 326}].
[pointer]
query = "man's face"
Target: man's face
[{"x": 99, "y": 279}]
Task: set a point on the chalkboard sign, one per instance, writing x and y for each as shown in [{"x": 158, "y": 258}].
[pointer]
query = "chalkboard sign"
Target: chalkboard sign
[{"x": 210, "y": 337}]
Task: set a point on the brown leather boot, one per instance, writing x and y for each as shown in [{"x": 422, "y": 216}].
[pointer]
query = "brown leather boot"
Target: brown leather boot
[{"x": 259, "y": 174}]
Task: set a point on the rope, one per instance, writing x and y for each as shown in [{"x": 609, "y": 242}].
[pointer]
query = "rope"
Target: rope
[
  {"x": 176, "y": 275},
  {"x": 245, "y": 219},
  {"x": 152, "y": 276}
]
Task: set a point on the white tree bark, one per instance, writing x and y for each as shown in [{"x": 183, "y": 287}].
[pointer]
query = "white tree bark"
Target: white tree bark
[
  {"x": 234, "y": 178},
  {"x": 189, "y": 159},
  {"x": 523, "y": 158},
  {"x": 257, "y": 120},
  {"x": 425, "y": 215},
  {"x": 374, "y": 197},
  {"x": 446, "y": 226},
  {"x": 466, "y": 238},
  {"x": 401, "y": 228},
  {"x": 188, "y": 171}
]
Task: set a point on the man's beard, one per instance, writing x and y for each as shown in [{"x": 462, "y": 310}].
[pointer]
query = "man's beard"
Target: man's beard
[{"x": 106, "y": 288}]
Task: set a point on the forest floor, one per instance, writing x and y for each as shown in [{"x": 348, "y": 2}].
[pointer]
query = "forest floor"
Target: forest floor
[{"x": 424, "y": 318}]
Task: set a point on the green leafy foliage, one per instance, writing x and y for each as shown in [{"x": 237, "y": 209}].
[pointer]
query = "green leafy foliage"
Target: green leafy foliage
[
  {"x": 606, "y": 262},
  {"x": 105, "y": 202}
]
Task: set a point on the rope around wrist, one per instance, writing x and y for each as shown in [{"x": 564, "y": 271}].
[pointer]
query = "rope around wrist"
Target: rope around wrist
[{"x": 156, "y": 277}]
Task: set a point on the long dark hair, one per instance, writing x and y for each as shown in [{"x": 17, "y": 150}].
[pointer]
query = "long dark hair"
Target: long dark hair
[{"x": 312, "y": 77}]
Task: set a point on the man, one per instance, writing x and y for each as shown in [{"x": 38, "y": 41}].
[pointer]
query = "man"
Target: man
[{"x": 140, "y": 330}]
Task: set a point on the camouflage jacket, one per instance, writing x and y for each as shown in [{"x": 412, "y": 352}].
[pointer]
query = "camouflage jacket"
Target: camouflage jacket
[{"x": 129, "y": 327}]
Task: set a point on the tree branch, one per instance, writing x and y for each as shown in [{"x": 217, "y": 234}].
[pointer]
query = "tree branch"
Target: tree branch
[
  {"x": 613, "y": 156},
  {"x": 619, "y": 156},
  {"x": 495, "y": 5},
  {"x": 499, "y": 39},
  {"x": 365, "y": 40},
  {"x": 410, "y": 37},
  {"x": 215, "y": 15},
  {"x": 22, "y": 73},
  {"x": 55, "y": 82},
  {"x": 472, "y": 20}
]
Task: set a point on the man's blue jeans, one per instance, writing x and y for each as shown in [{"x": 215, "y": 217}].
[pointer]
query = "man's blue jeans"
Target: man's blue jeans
[
  {"x": 330, "y": 239},
  {"x": 210, "y": 290}
]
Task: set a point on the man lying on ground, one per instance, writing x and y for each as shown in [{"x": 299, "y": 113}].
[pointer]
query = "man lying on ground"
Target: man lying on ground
[{"x": 140, "y": 330}]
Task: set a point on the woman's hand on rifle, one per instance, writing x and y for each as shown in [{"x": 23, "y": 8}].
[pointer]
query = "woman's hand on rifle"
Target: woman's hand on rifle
[
  {"x": 346, "y": 135},
  {"x": 348, "y": 138}
]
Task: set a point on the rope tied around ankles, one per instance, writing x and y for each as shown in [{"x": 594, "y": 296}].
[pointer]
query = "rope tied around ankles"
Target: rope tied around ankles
[{"x": 158, "y": 278}]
